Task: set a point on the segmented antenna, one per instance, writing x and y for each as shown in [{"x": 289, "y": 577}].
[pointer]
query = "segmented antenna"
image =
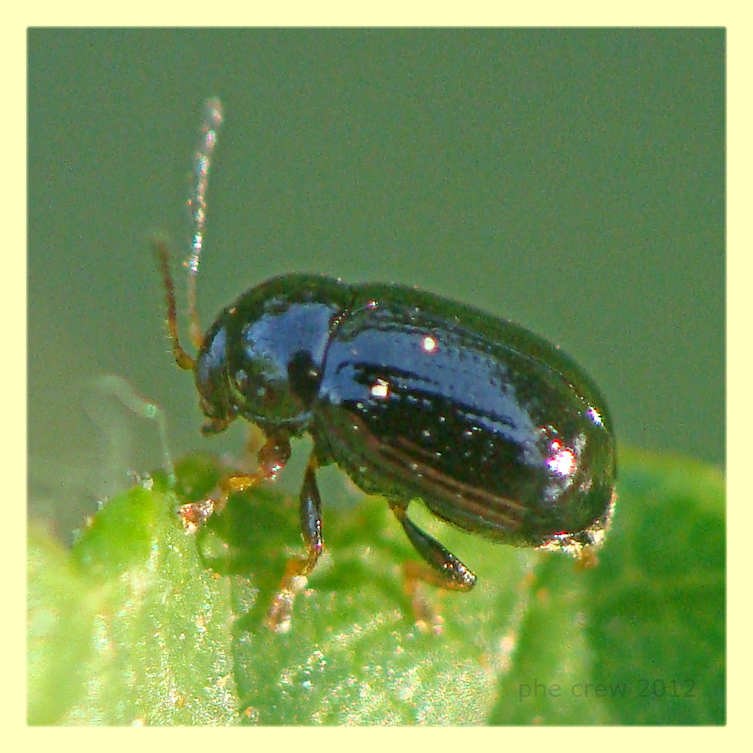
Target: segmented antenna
[{"x": 197, "y": 205}]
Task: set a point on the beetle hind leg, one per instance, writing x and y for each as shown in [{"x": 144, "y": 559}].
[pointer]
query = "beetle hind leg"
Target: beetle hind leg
[{"x": 444, "y": 570}]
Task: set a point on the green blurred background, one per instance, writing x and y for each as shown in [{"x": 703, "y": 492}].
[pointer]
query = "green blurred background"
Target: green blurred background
[{"x": 572, "y": 180}]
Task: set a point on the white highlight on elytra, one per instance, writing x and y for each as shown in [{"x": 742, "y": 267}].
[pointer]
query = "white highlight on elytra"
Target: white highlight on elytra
[
  {"x": 380, "y": 388},
  {"x": 429, "y": 344},
  {"x": 562, "y": 460}
]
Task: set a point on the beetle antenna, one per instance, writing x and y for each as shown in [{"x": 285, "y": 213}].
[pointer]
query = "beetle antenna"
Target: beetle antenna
[
  {"x": 197, "y": 205},
  {"x": 183, "y": 359}
]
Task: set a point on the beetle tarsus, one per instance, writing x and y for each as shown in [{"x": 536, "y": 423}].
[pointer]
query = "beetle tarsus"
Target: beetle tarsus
[
  {"x": 280, "y": 615},
  {"x": 427, "y": 616}
]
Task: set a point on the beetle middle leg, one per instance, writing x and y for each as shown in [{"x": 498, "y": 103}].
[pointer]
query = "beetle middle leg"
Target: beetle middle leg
[
  {"x": 296, "y": 570},
  {"x": 445, "y": 569}
]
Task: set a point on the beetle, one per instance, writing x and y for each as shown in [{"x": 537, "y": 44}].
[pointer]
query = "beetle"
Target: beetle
[{"x": 414, "y": 396}]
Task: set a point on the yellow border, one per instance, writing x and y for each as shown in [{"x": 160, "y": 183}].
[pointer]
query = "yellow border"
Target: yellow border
[{"x": 731, "y": 15}]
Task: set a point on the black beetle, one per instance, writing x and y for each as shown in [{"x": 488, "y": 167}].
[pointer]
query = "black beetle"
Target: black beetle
[{"x": 414, "y": 396}]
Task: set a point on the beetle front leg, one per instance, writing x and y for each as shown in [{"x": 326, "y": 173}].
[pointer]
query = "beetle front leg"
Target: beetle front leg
[
  {"x": 296, "y": 570},
  {"x": 271, "y": 459},
  {"x": 445, "y": 570}
]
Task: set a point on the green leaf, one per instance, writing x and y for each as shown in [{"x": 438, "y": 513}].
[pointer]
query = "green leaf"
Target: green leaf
[
  {"x": 141, "y": 623},
  {"x": 129, "y": 627}
]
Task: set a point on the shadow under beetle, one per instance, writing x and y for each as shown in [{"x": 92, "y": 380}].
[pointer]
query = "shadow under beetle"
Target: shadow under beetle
[{"x": 414, "y": 396}]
